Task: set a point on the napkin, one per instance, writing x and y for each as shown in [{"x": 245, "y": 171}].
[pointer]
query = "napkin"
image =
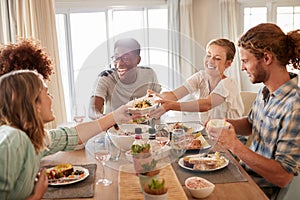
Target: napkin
[{"x": 82, "y": 189}]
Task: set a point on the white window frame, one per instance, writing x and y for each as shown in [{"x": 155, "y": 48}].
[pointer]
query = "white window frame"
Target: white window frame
[
  {"x": 271, "y": 8},
  {"x": 66, "y": 8}
]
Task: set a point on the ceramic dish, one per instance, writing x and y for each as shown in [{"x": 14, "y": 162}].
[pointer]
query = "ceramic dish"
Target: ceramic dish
[
  {"x": 68, "y": 181},
  {"x": 224, "y": 164},
  {"x": 124, "y": 136},
  {"x": 204, "y": 144},
  {"x": 142, "y": 111},
  {"x": 189, "y": 127}
]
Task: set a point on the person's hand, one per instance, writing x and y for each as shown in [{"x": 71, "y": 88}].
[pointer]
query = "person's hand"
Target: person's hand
[
  {"x": 224, "y": 137},
  {"x": 121, "y": 115},
  {"x": 157, "y": 112},
  {"x": 40, "y": 187}
]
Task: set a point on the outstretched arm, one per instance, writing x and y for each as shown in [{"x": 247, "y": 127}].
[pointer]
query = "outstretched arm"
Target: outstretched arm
[{"x": 89, "y": 129}]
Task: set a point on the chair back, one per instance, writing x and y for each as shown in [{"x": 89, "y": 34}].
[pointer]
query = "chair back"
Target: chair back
[
  {"x": 248, "y": 99},
  {"x": 292, "y": 191}
]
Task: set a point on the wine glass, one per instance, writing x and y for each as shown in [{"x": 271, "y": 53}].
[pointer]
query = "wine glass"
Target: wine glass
[
  {"x": 102, "y": 154},
  {"x": 178, "y": 143},
  {"x": 79, "y": 113}
]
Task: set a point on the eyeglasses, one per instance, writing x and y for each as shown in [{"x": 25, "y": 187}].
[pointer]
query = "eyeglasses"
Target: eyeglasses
[{"x": 125, "y": 58}]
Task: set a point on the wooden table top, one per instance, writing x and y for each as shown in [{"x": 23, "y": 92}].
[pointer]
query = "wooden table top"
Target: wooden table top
[{"x": 238, "y": 190}]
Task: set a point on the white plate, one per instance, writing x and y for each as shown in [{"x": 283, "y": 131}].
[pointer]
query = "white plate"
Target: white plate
[
  {"x": 194, "y": 127},
  {"x": 142, "y": 111},
  {"x": 86, "y": 174},
  {"x": 204, "y": 144},
  {"x": 180, "y": 162}
]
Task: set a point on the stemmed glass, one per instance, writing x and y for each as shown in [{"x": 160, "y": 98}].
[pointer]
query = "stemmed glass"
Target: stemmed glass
[
  {"x": 79, "y": 113},
  {"x": 178, "y": 143},
  {"x": 102, "y": 154}
]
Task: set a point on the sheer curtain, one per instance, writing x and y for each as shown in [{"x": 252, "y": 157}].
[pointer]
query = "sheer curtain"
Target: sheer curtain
[
  {"x": 174, "y": 44},
  {"x": 36, "y": 19},
  {"x": 182, "y": 63},
  {"x": 188, "y": 44},
  {"x": 229, "y": 30}
]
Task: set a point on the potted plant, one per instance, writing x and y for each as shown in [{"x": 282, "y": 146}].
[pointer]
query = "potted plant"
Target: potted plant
[
  {"x": 155, "y": 190},
  {"x": 144, "y": 164}
]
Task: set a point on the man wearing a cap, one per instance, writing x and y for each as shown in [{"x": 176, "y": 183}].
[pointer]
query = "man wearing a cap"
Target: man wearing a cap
[{"x": 125, "y": 82}]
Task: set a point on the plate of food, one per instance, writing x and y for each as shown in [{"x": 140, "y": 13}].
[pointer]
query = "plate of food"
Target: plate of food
[
  {"x": 197, "y": 142},
  {"x": 188, "y": 127},
  {"x": 66, "y": 174},
  {"x": 211, "y": 162},
  {"x": 143, "y": 105}
]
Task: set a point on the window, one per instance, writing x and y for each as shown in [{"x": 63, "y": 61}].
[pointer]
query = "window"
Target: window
[
  {"x": 254, "y": 16},
  {"x": 86, "y": 42},
  {"x": 288, "y": 18},
  {"x": 284, "y": 13}
]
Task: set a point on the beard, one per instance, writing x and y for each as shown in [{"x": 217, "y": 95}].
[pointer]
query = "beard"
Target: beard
[{"x": 259, "y": 75}]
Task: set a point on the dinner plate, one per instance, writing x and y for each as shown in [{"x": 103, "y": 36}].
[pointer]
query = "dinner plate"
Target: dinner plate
[
  {"x": 192, "y": 127},
  {"x": 68, "y": 182},
  {"x": 180, "y": 163},
  {"x": 204, "y": 144},
  {"x": 142, "y": 111}
]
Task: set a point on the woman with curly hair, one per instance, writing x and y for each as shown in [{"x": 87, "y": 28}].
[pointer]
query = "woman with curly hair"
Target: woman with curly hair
[{"x": 26, "y": 54}]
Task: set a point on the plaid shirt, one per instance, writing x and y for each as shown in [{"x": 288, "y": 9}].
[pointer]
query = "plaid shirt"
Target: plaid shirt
[{"x": 275, "y": 126}]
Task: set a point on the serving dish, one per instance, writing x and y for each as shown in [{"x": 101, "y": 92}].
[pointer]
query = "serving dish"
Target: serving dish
[
  {"x": 221, "y": 165},
  {"x": 69, "y": 180},
  {"x": 199, "y": 187},
  {"x": 189, "y": 127},
  {"x": 143, "y": 105},
  {"x": 204, "y": 144},
  {"x": 123, "y": 136}
]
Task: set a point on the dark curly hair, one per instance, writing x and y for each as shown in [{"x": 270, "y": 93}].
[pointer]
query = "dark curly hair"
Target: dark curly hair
[{"x": 26, "y": 54}]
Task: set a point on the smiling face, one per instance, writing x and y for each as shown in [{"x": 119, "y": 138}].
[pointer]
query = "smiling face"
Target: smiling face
[
  {"x": 216, "y": 60},
  {"x": 44, "y": 105},
  {"x": 126, "y": 61},
  {"x": 253, "y": 66}
]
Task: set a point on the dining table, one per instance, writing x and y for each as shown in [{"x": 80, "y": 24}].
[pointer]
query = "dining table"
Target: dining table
[
  {"x": 122, "y": 188},
  {"x": 232, "y": 182}
]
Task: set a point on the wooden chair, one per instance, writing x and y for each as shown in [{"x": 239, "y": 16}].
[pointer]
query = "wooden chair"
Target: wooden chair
[{"x": 248, "y": 99}]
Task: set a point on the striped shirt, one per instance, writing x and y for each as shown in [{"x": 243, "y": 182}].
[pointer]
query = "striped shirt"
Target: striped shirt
[
  {"x": 275, "y": 126},
  {"x": 19, "y": 162}
]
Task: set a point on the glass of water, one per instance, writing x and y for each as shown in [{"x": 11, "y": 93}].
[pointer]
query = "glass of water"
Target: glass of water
[{"x": 178, "y": 143}]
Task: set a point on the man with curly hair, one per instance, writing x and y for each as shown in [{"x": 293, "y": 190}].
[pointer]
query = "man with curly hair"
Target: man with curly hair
[{"x": 26, "y": 54}]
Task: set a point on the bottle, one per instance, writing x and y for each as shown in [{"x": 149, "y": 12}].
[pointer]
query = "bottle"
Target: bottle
[
  {"x": 138, "y": 137},
  {"x": 154, "y": 146}
]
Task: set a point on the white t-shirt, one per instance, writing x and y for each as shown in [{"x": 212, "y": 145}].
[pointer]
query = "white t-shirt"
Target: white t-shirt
[
  {"x": 233, "y": 106},
  {"x": 115, "y": 93}
]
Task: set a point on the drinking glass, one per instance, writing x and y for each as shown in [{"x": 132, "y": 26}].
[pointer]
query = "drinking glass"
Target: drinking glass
[
  {"x": 178, "y": 143},
  {"x": 102, "y": 154},
  {"x": 94, "y": 113},
  {"x": 79, "y": 113}
]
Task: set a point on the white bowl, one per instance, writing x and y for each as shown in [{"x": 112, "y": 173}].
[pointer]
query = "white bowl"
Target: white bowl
[
  {"x": 218, "y": 123},
  {"x": 123, "y": 141},
  {"x": 202, "y": 187}
]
